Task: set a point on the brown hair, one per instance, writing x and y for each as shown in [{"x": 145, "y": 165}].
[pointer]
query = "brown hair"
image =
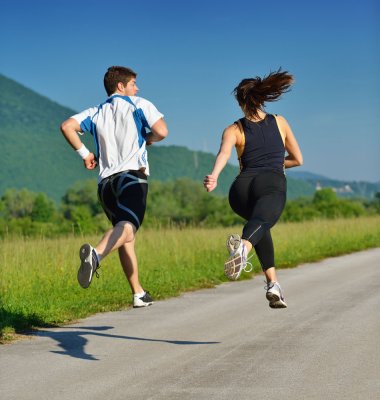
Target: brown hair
[
  {"x": 116, "y": 74},
  {"x": 253, "y": 93}
]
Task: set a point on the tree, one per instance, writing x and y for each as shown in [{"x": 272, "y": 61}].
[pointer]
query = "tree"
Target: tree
[
  {"x": 43, "y": 208},
  {"x": 80, "y": 205},
  {"x": 18, "y": 203},
  {"x": 84, "y": 194},
  {"x": 299, "y": 210},
  {"x": 326, "y": 195},
  {"x": 376, "y": 202}
]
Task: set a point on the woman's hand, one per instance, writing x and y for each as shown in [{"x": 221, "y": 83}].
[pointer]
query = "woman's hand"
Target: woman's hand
[{"x": 210, "y": 182}]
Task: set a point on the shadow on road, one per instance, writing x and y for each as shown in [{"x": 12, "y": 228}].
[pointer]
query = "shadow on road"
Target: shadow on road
[{"x": 73, "y": 340}]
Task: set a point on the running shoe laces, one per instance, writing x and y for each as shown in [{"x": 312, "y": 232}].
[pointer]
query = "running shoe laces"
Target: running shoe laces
[
  {"x": 142, "y": 300},
  {"x": 95, "y": 263},
  {"x": 89, "y": 265},
  {"x": 233, "y": 244}
]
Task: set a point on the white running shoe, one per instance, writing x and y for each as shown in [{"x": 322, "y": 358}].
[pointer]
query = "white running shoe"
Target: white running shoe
[
  {"x": 233, "y": 244},
  {"x": 238, "y": 261},
  {"x": 275, "y": 295},
  {"x": 142, "y": 301}
]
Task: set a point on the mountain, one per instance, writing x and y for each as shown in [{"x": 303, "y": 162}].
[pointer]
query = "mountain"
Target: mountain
[
  {"x": 346, "y": 188},
  {"x": 168, "y": 162},
  {"x": 305, "y": 175},
  {"x": 35, "y": 155}
]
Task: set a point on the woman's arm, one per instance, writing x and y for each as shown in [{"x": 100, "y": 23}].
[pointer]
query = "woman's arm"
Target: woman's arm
[
  {"x": 294, "y": 157},
  {"x": 228, "y": 142}
]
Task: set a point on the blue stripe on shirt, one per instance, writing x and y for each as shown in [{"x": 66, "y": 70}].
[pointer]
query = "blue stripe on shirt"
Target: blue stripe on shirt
[
  {"x": 87, "y": 125},
  {"x": 139, "y": 118}
]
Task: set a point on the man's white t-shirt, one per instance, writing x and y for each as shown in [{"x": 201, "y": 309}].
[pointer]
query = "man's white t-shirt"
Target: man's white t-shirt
[{"x": 120, "y": 144}]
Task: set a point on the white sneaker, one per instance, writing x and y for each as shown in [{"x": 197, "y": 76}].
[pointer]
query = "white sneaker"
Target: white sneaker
[
  {"x": 275, "y": 295},
  {"x": 142, "y": 301},
  {"x": 233, "y": 244},
  {"x": 237, "y": 262}
]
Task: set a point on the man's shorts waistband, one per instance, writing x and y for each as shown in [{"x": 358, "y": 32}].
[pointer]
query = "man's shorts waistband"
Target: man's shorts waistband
[{"x": 136, "y": 173}]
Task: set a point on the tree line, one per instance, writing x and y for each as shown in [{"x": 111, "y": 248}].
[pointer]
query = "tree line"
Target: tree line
[{"x": 181, "y": 202}]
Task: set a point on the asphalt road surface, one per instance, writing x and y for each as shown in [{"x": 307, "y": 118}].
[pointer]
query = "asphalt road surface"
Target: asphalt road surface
[{"x": 222, "y": 343}]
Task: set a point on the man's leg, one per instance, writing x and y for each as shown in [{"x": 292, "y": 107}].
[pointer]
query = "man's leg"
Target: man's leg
[
  {"x": 128, "y": 261},
  {"x": 123, "y": 232},
  {"x": 122, "y": 196}
]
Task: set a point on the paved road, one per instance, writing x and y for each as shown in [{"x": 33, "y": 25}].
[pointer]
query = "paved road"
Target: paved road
[{"x": 222, "y": 343}]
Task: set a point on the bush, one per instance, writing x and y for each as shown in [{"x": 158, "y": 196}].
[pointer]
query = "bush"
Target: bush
[{"x": 181, "y": 202}]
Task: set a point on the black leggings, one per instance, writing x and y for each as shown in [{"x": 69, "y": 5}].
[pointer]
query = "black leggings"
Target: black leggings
[{"x": 259, "y": 198}]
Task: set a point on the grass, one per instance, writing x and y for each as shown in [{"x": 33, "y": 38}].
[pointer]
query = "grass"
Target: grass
[{"x": 38, "y": 284}]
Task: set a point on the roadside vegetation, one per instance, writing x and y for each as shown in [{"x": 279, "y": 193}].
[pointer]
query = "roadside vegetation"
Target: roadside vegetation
[
  {"x": 180, "y": 247},
  {"x": 181, "y": 202}
]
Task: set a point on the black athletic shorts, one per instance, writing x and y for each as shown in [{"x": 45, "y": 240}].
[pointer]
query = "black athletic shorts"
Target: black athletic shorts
[{"x": 123, "y": 197}]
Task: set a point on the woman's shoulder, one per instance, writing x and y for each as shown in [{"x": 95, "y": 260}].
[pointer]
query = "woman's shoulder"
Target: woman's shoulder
[
  {"x": 232, "y": 133},
  {"x": 232, "y": 128},
  {"x": 280, "y": 118},
  {"x": 281, "y": 121}
]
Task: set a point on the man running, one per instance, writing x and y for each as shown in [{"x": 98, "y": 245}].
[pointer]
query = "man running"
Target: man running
[{"x": 119, "y": 127}]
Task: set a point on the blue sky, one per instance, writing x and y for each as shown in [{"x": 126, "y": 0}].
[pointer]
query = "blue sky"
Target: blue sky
[{"x": 190, "y": 55}]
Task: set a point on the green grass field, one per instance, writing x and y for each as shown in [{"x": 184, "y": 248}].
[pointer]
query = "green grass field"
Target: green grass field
[{"x": 38, "y": 284}]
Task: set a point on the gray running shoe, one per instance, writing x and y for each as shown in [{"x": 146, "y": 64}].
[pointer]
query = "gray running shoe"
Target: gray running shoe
[
  {"x": 238, "y": 261},
  {"x": 89, "y": 265},
  {"x": 275, "y": 295},
  {"x": 143, "y": 301}
]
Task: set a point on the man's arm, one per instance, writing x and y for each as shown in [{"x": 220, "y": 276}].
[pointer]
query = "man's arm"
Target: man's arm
[
  {"x": 70, "y": 129},
  {"x": 159, "y": 131}
]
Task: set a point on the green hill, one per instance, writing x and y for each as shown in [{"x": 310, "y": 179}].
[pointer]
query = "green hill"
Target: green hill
[
  {"x": 34, "y": 153},
  {"x": 168, "y": 162}
]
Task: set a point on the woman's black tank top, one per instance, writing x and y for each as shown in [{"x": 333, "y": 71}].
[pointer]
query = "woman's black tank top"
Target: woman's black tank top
[{"x": 264, "y": 148}]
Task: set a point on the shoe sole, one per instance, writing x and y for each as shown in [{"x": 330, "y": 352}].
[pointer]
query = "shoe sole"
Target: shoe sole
[
  {"x": 85, "y": 270},
  {"x": 233, "y": 243},
  {"x": 278, "y": 304},
  {"x": 275, "y": 301},
  {"x": 144, "y": 305},
  {"x": 233, "y": 268}
]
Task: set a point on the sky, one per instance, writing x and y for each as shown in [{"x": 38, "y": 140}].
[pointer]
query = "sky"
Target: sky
[{"x": 189, "y": 57}]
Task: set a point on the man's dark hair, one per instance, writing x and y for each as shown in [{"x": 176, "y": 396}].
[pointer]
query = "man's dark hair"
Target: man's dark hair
[{"x": 117, "y": 74}]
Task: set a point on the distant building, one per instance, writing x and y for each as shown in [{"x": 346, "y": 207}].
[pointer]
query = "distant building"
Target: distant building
[{"x": 344, "y": 189}]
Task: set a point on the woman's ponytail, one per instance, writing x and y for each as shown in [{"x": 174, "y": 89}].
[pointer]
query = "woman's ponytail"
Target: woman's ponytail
[{"x": 253, "y": 93}]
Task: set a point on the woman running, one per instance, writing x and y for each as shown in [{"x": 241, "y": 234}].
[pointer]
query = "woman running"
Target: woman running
[{"x": 258, "y": 194}]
